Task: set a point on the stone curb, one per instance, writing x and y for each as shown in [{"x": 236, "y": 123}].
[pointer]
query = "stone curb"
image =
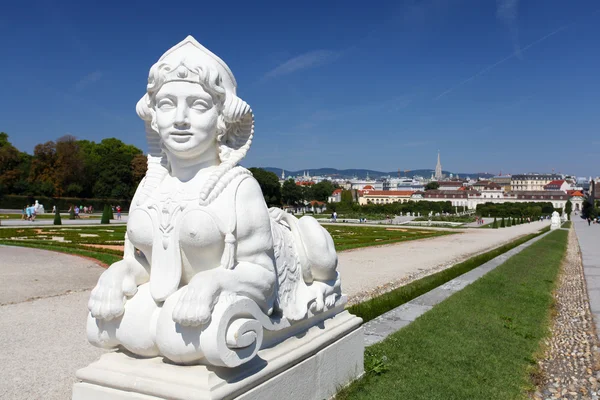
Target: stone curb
[{"x": 392, "y": 321}]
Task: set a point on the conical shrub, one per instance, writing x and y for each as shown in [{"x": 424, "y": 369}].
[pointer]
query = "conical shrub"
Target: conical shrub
[
  {"x": 57, "y": 220},
  {"x": 495, "y": 224},
  {"x": 106, "y": 214},
  {"x": 508, "y": 223},
  {"x": 502, "y": 223}
]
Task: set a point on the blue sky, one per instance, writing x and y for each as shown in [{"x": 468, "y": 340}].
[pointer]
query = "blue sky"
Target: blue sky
[{"x": 503, "y": 85}]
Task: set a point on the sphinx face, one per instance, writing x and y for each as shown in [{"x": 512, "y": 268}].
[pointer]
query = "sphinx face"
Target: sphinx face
[{"x": 186, "y": 119}]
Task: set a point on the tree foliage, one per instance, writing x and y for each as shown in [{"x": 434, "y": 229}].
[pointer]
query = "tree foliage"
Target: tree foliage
[
  {"x": 432, "y": 186},
  {"x": 530, "y": 209},
  {"x": 291, "y": 194},
  {"x": 269, "y": 184},
  {"x": 569, "y": 209},
  {"x": 71, "y": 167}
]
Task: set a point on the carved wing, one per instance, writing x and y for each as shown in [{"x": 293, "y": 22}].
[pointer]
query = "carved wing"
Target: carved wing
[{"x": 292, "y": 292}]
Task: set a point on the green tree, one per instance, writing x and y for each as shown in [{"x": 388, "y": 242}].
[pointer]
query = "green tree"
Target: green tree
[
  {"x": 568, "y": 209},
  {"x": 14, "y": 166},
  {"x": 508, "y": 222},
  {"x": 502, "y": 223},
  {"x": 106, "y": 214},
  {"x": 432, "y": 186},
  {"x": 109, "y": 163},
  {"x": 291, "y": 194},
  {"x": 495, "y": 224},
  {"x": 139, "y": 165},
  {"x": 269, "y": 184},
  {"x": 346, "y": 199},
  {"x": 68, "y": 168},
  {"x": 42, "y": 175},
  {"x": 322, "y": 190}
]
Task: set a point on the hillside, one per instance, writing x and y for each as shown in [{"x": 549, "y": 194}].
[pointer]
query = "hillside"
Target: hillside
[{"x": 362, "y": 173}]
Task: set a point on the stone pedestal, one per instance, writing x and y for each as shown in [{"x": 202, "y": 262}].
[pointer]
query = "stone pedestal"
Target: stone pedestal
[{"x": 311, "y": 365}]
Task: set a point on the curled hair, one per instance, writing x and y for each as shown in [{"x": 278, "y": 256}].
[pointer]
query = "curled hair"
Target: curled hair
[{"x": 235, "y": 124}]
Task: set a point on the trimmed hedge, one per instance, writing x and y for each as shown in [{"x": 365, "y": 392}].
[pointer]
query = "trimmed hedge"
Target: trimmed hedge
[{"x": 15, "y": 202}]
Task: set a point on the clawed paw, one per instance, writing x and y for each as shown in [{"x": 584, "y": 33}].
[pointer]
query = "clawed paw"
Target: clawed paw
[{"x": 195, "y": 306}]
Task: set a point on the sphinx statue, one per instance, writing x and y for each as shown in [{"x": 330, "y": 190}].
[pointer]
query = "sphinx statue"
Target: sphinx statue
[{"x": 210, "y": 276}]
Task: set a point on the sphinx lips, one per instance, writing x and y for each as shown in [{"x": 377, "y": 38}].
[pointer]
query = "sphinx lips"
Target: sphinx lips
[{"x": 181, "y": 136}]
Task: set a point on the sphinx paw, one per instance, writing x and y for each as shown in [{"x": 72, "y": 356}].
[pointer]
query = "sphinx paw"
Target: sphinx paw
[{"x": 195, "y": 306}]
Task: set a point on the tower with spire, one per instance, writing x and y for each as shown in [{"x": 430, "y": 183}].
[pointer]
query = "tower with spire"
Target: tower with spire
[{"x": 438, "y": 169}]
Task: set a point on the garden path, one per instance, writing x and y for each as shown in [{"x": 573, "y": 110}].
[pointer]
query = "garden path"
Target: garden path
[{"x": 369, "y": 271}]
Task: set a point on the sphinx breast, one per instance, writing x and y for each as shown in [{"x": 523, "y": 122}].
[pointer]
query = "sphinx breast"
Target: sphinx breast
[
  {"x": 140, "y": 230},
  {"x": 201, "y": 239}
]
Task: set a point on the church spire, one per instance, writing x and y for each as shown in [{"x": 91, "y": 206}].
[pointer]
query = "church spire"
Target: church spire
[{"x": 438, "y": 168}]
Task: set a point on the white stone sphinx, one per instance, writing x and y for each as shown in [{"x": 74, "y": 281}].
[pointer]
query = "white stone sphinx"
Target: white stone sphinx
[
  {"x": 555, "y": 221},
  {"x": 564, "y": 217},
  {"x": 210, "y": 277}
]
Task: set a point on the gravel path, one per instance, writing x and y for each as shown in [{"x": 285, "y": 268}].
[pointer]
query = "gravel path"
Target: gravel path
[
  {"x": 370, "y": 271},
  {"x": 43, "y": 309},
  {"x": 570, "y": 367}
]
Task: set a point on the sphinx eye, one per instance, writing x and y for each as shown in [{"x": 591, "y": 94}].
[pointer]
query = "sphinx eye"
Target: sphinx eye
[
  {"x": 200, "y": 105},
  {"x": 165, "y": 104}
]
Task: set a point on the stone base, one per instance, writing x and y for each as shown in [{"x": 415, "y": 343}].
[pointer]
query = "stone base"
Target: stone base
[{"x": 313, "y": 365}]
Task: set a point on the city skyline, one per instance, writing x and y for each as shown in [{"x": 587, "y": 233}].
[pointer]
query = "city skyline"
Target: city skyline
[{"x": 515, "y": 89}]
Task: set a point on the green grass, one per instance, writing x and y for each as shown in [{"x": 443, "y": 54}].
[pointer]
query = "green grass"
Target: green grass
[
  {"x": 352, "y": 237},
  {"x": 567, "y": 224},
  {"x": 376, "y": 306},
  {"x": 481, "y": 343},
  {"x": 73, "y": 239}
]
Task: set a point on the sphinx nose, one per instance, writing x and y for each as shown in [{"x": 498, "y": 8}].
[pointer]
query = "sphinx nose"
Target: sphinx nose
[{"x": 181, "y": 117}]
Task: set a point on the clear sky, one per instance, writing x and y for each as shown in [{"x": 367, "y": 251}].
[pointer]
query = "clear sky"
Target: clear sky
[{"x": 503, "y": 85}]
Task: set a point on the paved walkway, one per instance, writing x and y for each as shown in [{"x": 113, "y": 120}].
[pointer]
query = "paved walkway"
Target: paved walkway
[
  {"x": 43, "y": 309},
  {"x": 589, "y": 243},
  {"x": 369, "y": 271}
]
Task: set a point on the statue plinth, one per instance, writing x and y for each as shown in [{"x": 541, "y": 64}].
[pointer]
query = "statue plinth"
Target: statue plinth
[{"x": 312, "y": 365}]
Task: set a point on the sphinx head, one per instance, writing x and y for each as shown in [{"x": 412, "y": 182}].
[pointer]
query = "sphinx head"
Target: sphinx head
[{"x": 191, "y": 108}]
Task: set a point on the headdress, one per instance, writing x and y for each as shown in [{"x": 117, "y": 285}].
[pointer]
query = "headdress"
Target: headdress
[{"x": 190, "y": 61}]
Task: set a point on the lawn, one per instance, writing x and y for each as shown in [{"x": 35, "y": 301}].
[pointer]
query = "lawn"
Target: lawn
[
  {"x": 351, "y": 237},
  {"x": 87, "y": 240},
  {"x": 74, "y": 240},
  {"x": 481, "y": 343},
  {"x": 376, "y": 306}
]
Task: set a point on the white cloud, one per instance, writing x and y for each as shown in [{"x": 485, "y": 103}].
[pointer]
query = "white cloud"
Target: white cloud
[
  {"x": 507, "y": 11},
  {"x": 87, "y": 80},
  {"x": 304, "y": 61}
]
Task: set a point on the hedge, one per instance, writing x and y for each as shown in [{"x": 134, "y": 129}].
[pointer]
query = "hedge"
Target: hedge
[{"x": 15, "y": 202}]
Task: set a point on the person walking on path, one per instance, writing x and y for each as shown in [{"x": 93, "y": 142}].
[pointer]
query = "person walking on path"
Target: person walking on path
[{"x": 118, "y": 212}]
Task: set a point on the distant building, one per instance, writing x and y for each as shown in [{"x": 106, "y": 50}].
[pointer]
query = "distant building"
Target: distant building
[
  {"x": 560, "y": 184},
  {"x": 336, "y": 196},
  {"x": 438, "y": 169},
  {"x": 531, "y": 182},
  {"x": 383, "y": 196},
  {"x": 450, "y": 185},
  {"x": 502, "y": 180},
  {"x": 360, "y": 184}
]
